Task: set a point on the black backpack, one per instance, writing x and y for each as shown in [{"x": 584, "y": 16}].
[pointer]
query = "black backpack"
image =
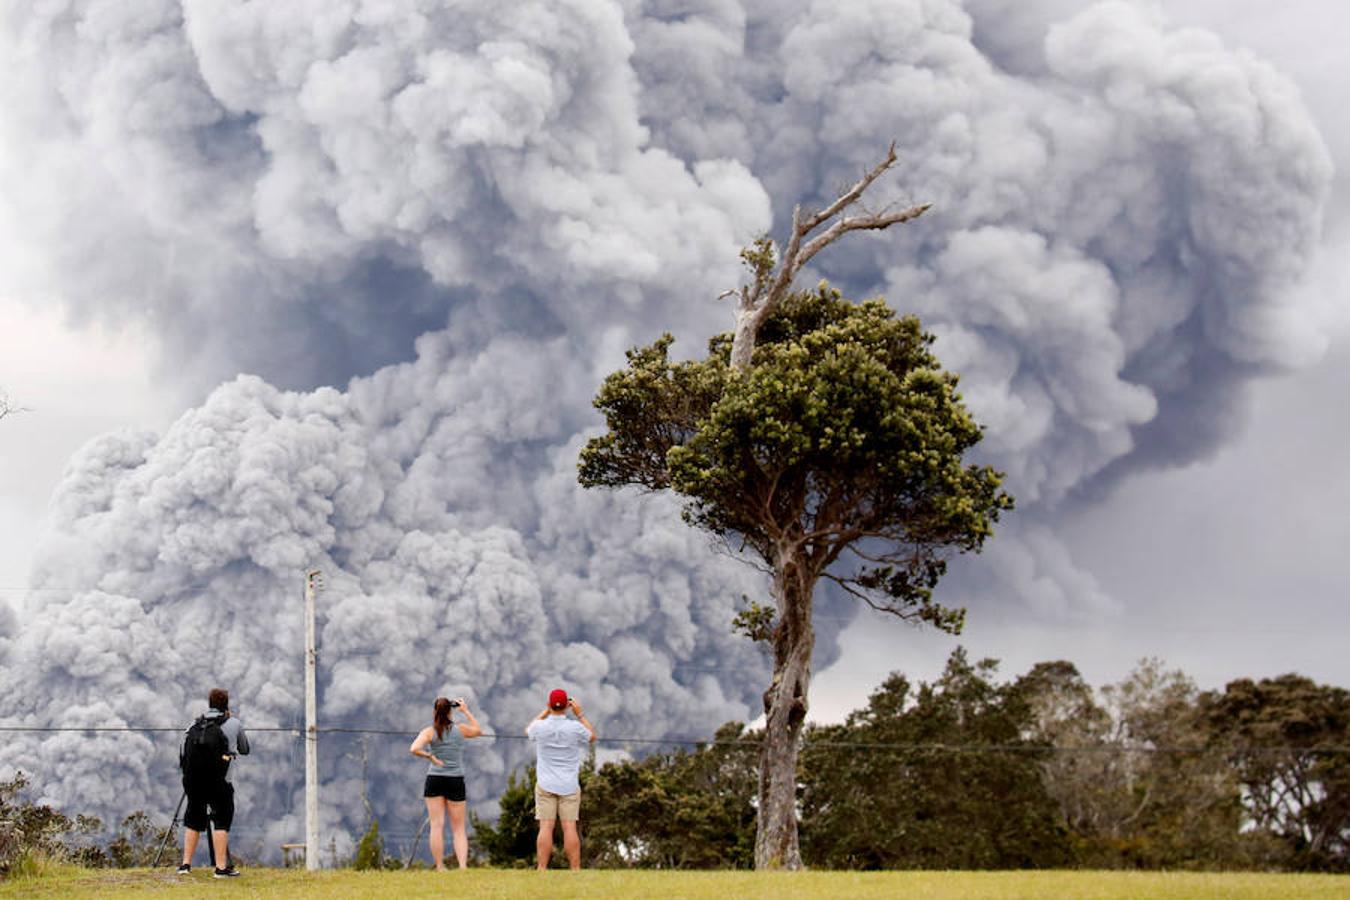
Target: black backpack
[{"x": 206, "y": 750}]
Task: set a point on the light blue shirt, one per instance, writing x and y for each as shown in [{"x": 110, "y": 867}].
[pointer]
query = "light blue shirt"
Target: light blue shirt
[{"x": 557, "y": 742}]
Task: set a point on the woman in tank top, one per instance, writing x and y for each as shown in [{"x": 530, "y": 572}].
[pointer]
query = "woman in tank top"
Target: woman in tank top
[{"x": 442, "y": 743}]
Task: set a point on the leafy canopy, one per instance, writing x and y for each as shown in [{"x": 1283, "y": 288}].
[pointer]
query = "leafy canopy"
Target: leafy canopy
[
  {"x": 842, "y": 443},
  {"x": 1287, "y": 738},
  {"x": 938, "y": 776},
  {"x": 687, "y": 809}
]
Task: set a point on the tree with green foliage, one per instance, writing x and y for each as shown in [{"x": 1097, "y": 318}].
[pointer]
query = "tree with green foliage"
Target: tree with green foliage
[
  {"x": 942, "y": 777},
  {"x": 1064, "y": 713},
  {"x": 689, "y": 809},
  {"x": 1135, "y": 778},
  {"x": 1287, "y": 739},
  {"x": 836, "y": 454},
  {"x": 1090, "y": 776},
  {"x": 1183, "y": 803}
]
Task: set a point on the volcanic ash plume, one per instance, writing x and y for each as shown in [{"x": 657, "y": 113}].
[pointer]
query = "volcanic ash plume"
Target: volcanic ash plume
[{"x": 196, "y": 542}]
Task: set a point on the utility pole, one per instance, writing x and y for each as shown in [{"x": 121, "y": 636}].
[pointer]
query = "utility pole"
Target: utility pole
[{"x": 313, "y": 584}]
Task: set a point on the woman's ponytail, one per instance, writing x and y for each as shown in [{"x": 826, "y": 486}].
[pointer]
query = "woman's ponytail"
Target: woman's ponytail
[{"x": 442, "y": 716}]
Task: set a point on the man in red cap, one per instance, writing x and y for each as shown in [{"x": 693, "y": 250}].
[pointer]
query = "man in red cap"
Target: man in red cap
[{"x": 557, "y": 794}]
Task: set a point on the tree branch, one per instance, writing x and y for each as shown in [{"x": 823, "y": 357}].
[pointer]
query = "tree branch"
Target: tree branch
[
  {"x": 879, "y": 607},
  {"x": 757, "y": 301},
  {"x": 851, "y": 196},
  {"x": 877, "y": 222},
  {"x": 8, "y": 408}
]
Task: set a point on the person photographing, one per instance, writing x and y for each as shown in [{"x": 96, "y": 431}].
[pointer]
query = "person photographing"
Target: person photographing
[
  {"x": 442, "y": 745},
  {"x": 558, "y": 742},
  {"x": 211, "y": 742}
]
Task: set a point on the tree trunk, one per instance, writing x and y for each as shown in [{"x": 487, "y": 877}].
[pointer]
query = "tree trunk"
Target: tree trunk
[
  {"x": 785, "y": 705},
  {"x": 743, "y": 342},
  {"x": 748, "y": 320}
]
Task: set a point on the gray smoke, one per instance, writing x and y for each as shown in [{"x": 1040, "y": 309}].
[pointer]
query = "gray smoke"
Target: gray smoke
[
  {"x": 431, "y": 229},
  {"x": 211, "y": 524}
]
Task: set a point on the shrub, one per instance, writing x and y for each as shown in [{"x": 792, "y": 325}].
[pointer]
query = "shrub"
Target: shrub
[{"x": 370, "y": 852}]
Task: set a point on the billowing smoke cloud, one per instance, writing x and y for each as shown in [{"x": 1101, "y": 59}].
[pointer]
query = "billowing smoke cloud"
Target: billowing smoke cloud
[
  {"x": 301, "y": 191},
  {"x": 195, "y": 542}
]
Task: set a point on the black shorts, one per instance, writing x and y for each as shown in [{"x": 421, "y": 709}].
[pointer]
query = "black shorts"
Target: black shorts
[
  {"x": 451, "y": 787},
  {"x": 212, "y": 800}
]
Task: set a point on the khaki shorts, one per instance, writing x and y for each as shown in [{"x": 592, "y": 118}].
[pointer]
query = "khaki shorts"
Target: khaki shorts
[{"x": 548, "y": 805}]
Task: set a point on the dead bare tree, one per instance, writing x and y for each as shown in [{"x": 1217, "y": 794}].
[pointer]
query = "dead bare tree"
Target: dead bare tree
[{"x": 773, "y": 275}]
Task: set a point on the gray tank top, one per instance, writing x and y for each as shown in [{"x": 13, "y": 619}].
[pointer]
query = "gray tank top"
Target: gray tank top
[{"x": 449, "y": 750}]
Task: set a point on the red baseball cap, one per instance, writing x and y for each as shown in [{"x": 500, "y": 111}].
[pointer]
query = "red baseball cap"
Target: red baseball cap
[{"x": 557, "y": 699}]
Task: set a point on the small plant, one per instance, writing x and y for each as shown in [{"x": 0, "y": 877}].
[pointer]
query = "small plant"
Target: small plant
[
  {"x": 29, "y": 864},
  {"x": 370, "y": 852}
]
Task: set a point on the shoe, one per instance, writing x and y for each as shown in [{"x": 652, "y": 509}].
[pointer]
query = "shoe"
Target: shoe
[
  {"x": 228, "y": 872},
  {"x": 184, "y": 869}
]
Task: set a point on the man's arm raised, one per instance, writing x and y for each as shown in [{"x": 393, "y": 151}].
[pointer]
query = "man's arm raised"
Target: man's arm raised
[
  {"x": 539, "y": 718},
  {"x": 581, "y": 717}
]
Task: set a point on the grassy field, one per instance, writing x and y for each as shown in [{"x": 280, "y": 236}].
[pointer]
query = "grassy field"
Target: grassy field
[{"x": 350, "y": 885}]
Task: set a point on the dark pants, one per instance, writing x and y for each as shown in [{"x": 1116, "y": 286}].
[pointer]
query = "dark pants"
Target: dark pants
[{"x": 209, "y": 799}]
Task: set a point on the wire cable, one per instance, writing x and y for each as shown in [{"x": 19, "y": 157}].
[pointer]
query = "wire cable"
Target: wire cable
[{"x": 808, "y": 745}]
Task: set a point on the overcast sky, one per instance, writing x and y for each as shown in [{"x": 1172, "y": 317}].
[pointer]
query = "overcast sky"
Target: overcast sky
[{"x": 1138, "y": 262}]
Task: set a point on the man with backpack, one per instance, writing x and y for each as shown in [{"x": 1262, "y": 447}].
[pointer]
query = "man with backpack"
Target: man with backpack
[{"x": 211, "y": 742}]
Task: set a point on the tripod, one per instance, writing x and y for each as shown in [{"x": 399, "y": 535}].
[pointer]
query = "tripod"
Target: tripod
[{"x": 172, "y": 830}]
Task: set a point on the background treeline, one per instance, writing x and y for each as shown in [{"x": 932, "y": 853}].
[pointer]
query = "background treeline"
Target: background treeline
[
  {"x": 972, "y": 772},
  {"x": 966, "y": 772}
]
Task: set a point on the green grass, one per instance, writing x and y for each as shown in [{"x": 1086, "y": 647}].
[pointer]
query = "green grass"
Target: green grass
[{"x": 67, "y": 881}]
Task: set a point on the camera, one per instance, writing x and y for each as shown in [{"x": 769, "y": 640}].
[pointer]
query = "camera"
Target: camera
[{"x": 454, "y": 704}]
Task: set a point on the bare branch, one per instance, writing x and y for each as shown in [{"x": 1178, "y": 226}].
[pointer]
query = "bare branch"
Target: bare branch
[
  {"x": 757, "y": 301},
  {"x": 8, "y": 408},
  {"x": 879, "y": 607},
  {"x": 851, "y": 196},
  {"x": 876, "y": 222}
]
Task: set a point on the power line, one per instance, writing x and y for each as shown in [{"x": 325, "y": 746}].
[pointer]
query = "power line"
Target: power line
[{"x": 296, "y": 731}]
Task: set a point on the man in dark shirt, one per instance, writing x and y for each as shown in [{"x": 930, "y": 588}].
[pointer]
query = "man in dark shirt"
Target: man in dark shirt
[{"x": 210, "y": 797}]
